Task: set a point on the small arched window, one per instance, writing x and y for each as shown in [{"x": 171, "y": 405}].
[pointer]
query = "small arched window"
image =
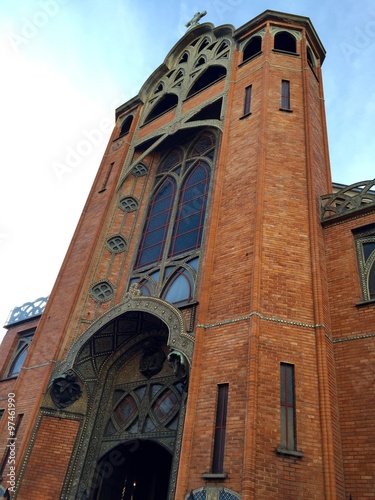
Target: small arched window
[
  {"x": 18, "y": 362},
  {"x": 310, "y": 57},
  {"x": 223, "y": 46},
  {"x": 253, "y": 48},
  {"x": 126, "y": 124},
  {"x": 179, "y": 75},
  {"x": 179, "y": 289},
  {"x": 166, "y": 103},
  {"x": 204, "y": 44},
  {"x": 184, "y": 58},
  {"x": 210, "y": 76},
  {"x": 286, "y": 42},
  {"x": 20, "y": 355},
  {"x": 200, "y": 62}
]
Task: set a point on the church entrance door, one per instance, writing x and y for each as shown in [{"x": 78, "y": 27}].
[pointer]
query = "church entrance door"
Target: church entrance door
[{"x": 138, "y": 470}]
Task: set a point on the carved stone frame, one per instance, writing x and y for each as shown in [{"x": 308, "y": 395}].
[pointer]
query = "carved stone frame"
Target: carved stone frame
[{"x": 87, "y": 449}]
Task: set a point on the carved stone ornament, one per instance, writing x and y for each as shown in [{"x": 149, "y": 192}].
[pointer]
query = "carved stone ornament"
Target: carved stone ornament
[
  {"x": 65, "y": 389},
  {"x": 180, "y": 365},
  {"x": 152, "y": 359},
  {"x": 134, "y": 292},
  {"x": 195, "y": 20}
]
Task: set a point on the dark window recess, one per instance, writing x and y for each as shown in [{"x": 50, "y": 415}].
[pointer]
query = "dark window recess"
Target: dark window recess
[
  {"x": 159, "y": 88},
  {"x": 210, "y": 112},
  {"x": 224, "y": 45},
  {"x": 220, "y": 429},
  {"x": 166, "y": 103},
  {"x": 200, "y": 62},
  {"x": 287, "y": 408},
  {"x": 106, "y": 179},
  {"x": 310, "y": 58},
  {"x": 184, "y": 58},
  {"x": 179, "y": 75},
  {"x": 286, "y": 42},
  {"x": 247, "y": 104},
  {"x": 203, "y": 45},
  {"x": 210, "y": 76},
  {"x": 253, "y": 48},
  {"x": 126, "y": 124},
  {"x": 285, "y": 94}
]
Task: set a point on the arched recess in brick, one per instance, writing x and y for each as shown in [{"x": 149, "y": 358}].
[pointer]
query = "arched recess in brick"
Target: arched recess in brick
[{"x": 107, "y": 360}]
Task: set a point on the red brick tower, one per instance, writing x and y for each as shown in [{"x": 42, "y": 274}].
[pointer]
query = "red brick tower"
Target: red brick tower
[{"x": 185, "y": 350}]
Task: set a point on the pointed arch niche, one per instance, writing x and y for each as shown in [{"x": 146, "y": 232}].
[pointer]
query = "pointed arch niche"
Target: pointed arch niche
[{"x": 131, "y": 391}]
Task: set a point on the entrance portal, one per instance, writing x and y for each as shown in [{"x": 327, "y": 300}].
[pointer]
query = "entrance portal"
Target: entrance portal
[{"x": 137, "y": 470}]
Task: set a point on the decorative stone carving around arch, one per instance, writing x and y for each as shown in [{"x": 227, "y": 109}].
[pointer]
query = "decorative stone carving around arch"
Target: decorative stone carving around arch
[
  {"x": 99, "y": 355},
  {"x": 178, "y": 338}
]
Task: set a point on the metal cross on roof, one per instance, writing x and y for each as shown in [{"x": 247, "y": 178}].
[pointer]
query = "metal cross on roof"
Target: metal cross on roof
[{"x": 195, "y": 20}]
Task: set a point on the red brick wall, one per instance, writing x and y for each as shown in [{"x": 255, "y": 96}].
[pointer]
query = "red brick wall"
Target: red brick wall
[
  {"x": 354, "y": 356},
  {"x": 49, "y": 459}
]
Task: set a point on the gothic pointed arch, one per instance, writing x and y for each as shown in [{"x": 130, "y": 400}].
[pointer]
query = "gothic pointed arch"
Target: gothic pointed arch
[
  {"x": 178, "y": 337},
  {"x": 131, "y": 391},
  {"x": 209, "y": 76}
]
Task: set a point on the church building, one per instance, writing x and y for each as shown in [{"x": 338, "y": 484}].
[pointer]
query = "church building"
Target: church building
[{"x": 210, "y": 335}]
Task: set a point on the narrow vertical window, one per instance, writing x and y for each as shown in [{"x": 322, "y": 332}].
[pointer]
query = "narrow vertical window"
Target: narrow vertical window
[
  {"x": 287, "y": 407},
  {"x": 285, "y": 94},
  {"x": 105, "y": 182},
  {"x": 247, "y": 105},
  {"x": 220, "y": 429}
]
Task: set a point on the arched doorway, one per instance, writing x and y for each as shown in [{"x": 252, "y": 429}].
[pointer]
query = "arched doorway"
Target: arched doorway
[
  {"x": 133, "y": 393},
  {"x": 135, "y": 470}
]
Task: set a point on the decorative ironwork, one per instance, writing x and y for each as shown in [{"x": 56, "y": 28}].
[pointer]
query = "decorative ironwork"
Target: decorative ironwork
[
  {"x": 27, "y": 310},
  {"x": 348, "y": 200}
]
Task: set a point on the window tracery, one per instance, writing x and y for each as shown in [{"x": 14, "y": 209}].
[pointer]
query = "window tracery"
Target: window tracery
[
  {"x": 168, "y": 254},
  {"x": 202, "y": 54}
]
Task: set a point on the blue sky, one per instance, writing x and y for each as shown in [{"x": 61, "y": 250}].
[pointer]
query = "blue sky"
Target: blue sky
[{"x": 66, "y": 66}]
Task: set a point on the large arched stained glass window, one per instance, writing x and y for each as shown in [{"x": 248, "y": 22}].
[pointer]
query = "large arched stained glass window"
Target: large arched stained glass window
[
  {"x": 157, "y": 222},
  {"x": 188, "y": 226},
  {"x": 167, "y": 263}
]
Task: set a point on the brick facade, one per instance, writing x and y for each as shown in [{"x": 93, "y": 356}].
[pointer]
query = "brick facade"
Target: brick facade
[{"x": 272, "y": 282}]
